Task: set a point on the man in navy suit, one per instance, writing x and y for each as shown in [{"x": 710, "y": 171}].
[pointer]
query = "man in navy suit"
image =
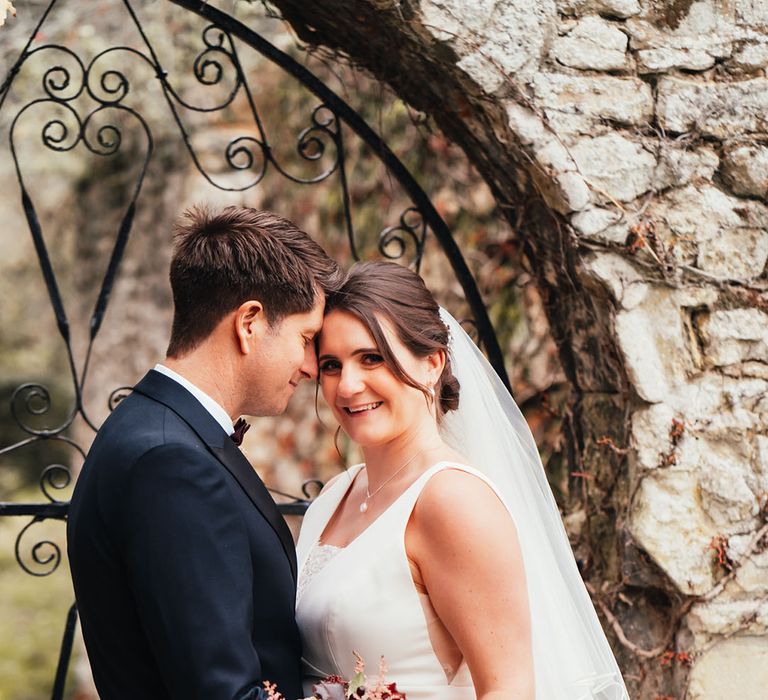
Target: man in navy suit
[{"x": 184, "y": 570}]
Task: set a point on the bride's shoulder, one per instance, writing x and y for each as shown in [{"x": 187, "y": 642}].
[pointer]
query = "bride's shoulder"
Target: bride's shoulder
[
  {"x": 456, "y": 509},
  {"x": 458, "y": 492}
]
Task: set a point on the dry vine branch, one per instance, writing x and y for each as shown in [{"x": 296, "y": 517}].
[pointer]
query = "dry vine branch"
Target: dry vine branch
[
  {"x": 626, "y": 642},
  {"x": 682, "y": 610},
  {"x": 750, "y": 550},
  {"x": 606, "y": 247}
]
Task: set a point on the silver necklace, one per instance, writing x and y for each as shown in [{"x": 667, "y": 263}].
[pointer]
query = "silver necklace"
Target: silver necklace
[{"x": 369, "y": 495}]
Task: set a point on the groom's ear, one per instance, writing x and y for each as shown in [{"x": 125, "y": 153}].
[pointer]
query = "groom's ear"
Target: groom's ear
[{"x": 250, "y": 324}]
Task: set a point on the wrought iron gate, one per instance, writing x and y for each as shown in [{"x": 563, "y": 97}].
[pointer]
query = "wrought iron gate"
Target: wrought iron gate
[{"x": 63, "y": 89}]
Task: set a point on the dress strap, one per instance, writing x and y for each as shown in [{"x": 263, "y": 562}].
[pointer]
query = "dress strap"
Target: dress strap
[
  {"x": 407, "y": 501},
  {"x": 323, "y": 507}
]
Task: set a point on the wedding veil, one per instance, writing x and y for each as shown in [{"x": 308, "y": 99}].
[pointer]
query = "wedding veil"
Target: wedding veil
[{"x": 572, "y": 658}]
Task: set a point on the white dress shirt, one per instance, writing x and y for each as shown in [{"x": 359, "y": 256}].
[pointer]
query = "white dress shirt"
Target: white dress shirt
[{"x": 213, "y": 407}]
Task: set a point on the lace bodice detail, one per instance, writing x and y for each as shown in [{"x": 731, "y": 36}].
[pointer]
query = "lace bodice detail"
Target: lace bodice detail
[{"x": 317, "y": 559}]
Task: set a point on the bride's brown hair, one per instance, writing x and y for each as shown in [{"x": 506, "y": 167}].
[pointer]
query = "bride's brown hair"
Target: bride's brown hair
[{"x": 384, "y": 289}]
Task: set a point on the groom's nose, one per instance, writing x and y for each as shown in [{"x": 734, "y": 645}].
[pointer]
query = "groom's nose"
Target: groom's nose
[{"x": 309, "y": 366}]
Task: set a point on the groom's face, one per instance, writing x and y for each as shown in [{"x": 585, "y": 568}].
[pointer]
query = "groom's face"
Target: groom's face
[{"x": 285, "y": 355}]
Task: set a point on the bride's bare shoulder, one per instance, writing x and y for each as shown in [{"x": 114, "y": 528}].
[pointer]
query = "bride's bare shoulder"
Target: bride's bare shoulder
[
  {"x": 454, "y": 496},
  {"x": 459, "y": 514}
]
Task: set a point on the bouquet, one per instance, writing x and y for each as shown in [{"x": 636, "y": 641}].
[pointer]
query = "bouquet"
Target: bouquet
[{"x": 357, "y": 688}]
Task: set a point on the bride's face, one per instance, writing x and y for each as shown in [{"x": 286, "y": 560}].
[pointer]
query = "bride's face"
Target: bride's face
[{"x": 372, "y": 405}]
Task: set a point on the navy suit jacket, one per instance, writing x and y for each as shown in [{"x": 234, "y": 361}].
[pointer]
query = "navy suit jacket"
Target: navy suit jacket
[{"x": 184, "y": 570}]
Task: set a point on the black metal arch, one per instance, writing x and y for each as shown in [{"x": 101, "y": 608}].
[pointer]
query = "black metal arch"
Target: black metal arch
[
  {"x": 99, "y": 131},
  {"x": 353, "y": 120}
]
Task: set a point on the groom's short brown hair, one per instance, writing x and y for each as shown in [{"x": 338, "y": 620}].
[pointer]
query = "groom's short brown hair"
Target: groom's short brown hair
[{"x": 222, "y": 259}]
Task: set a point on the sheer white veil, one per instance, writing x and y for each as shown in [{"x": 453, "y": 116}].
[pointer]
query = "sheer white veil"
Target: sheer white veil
[{"x": 572, "y": 658}]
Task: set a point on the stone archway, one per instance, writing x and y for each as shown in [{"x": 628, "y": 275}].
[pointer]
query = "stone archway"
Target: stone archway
[{"x": 626, "y": 140}]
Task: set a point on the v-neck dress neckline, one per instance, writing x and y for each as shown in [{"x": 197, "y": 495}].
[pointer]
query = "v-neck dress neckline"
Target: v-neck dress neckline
[{"x": 345, "y": 493}]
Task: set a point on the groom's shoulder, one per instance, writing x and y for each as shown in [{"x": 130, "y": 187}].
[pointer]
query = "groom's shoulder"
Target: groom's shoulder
[
  {"x": 134, "y": 412},
  {"x": 139, "y": 424}
]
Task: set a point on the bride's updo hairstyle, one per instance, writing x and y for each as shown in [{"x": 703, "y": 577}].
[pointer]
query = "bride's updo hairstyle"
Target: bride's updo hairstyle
[{"x": 384, "y": 290}]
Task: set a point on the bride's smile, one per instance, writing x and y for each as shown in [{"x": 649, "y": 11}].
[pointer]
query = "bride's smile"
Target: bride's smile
[{"x": 360, "y": 410}]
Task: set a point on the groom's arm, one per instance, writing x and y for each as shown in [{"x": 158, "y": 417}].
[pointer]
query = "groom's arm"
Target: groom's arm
[{"x": 189, "y": 564}]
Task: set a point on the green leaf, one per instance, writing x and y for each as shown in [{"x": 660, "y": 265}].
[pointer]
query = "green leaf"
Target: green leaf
[{"x": 357, "y": 681}]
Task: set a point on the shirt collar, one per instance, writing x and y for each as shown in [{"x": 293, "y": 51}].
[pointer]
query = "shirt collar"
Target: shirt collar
[{"x": 213, "y": 407}]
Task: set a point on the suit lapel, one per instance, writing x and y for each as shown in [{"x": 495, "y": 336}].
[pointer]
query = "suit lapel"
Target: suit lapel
[
  {"x": 237, "y": 465},
  {"x": 171, "y": 394}
]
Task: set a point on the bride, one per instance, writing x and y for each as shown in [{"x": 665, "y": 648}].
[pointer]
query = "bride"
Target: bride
[{"x": 443, "y": 553}]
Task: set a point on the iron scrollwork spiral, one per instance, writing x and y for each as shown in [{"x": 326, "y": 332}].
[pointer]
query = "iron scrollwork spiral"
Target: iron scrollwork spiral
[
  {"x": 117, "y": 396},
  {"x": 393, "y": 240},
  {"x": 55, "y": 476},
  {"x": 56, "y": 133},
  {"x": 208, "y": 67},
  {"x": 45, "y": 554},
  {"x": 35, "y": 400},
  {"x": 211, "y": 67},
  {"x": 243, "y": 153},
  {"x": 311, "y": 488},
  {"x": 58, "y": 78},
  {"x": 112, "y": 85},
  {"x": 108, "y": 137},
  {"x": 312, "y": 144}
]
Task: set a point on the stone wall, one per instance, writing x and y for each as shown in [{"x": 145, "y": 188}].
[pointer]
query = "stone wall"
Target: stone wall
[
  {"x": 628, "y": 141},
  {"x": 678, "y": 163}
]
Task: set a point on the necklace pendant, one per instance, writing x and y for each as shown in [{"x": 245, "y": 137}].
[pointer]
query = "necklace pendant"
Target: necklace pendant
[{"x": 364, "y": 506}]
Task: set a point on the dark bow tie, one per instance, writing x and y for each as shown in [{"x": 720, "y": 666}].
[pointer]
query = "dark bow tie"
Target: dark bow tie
[{"x": 241, "y": 428}]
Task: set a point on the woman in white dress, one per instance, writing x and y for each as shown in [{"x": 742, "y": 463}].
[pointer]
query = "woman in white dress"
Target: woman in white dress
[{"x": 444, "y": 552}]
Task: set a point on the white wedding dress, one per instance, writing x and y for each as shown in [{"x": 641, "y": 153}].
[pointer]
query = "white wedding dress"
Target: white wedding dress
[{"x": 362, "y": 598}]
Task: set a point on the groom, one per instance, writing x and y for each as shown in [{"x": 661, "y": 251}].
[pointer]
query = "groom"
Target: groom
[{"x": 184, "y": 570}]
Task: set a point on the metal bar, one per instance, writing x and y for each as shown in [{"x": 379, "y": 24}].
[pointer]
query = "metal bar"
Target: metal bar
[
  {"x": 58, "y": 511},
  {"x": 65, "y": 654},
  {"x": 293, "y": 508},
  {"x": 45, "y": 262},
  {"x": 43, "y": 511}
]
